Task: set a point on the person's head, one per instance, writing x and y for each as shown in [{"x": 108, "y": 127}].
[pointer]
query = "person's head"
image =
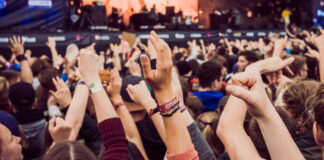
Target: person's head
[
  {"x": 131, "y": 105},
  {"x": 221, "y": 104},
  {"x": 295, "y": 98},
  {"x": 318, "y": 115},
  {"x": 11, "y": 76},
  {"x": 10, "y": 147},
  {"x": 69, "y": 151},
  {"x": 184, "y": 68},
  {"x": 210, "y": 76},
  {"x": 194, "y": 67},
  {"x": 256, "y": 135},
  {"x": 194, "y": 104},
  {"x": 38, "y": 66},
  {"x": 45, "y": 78},
  {"x": 246, "y": 58},
  {"x": 223, "y": 62},
  {"x": 208, "y": 122},
  {"x": 4, "y": 89},
  {"x": 22, "y": 96},
  {"x": 299, "y": 67}
]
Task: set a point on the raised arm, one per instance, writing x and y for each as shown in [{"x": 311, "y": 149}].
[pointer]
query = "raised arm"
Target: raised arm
[
  {"x": 160, "y": 81},
  {"x": 110, "y": 125},
  {"x": 319, "y": 41},
  {"x": 17, "y": 48},
  {"x": 140, "y": 94},
  {"x": 250, "y": 88},
  {"x": 129, "y": 125},
  {"x": 231, "y": 131},
  {"x": 51, "y": 44}
]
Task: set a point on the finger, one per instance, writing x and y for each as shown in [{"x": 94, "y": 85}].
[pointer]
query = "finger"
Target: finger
[
  {"x": 51, "y": 124},
  {"x": 289, "y": 71},
  {"x": 274, "y": 77},
  {"x": 11, "y": 41},
  {"x": 15, "y": 39},
  {"x": 59, "y": 121},
  {"x": 287, "y": 62},
  {"x": 279, "y": 76},
  {"x": 240, "y": 92},
  {"x": 55, "y": 83},
  {"x": 268, "y": 76},
  {"x": 146, "y": 65},
  {"x": 130, "y": 92},
  {"x": 243, "y": 79},
  {"x": 53, "y": 94},
  {"x": 19, "y": 40}
]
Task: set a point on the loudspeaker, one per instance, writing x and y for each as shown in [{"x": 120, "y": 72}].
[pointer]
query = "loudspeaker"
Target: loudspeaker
[{"x": 98, "y": 15}]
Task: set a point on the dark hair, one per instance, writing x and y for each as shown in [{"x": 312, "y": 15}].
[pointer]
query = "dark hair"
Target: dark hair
[
  {"x": 256, "y": 135},
  {"x": 297, "y": 65},
  {"x": 208, "y": 72},
  {"x": 250, "y": 56},
  {"x": 45, "y": 78},
  {"x": 178, "y": 56},
  {"x": 38, "y": 66},
  {"x": 69, "y": 151},
  {"x": 194, "y": 67},
  {"x": 194, "y": 104}
]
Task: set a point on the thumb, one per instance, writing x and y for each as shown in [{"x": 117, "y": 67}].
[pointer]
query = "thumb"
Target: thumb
[
  {"x": 129, "y": 90},
  {"x": 51, "y": 124},
  {"x": 146, "y": 65},
  {"x": 240, "y": 92},
  {"x": 53, "y": 94}
]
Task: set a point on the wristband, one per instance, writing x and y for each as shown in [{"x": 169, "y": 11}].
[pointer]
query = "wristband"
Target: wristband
[
  {"x": 54, "y": 111},
  {"x": 21, "y": 58},
  {"x": 182, "y": 109},
  {"x": 95, "y": 87},
  {"x": 81, "y": 83},
  {"x": 169, "y": 114},
  {"x": 166, "y": 107},
  {"x": 153, "y": 111},
  {"x": 119, "y": 105}
]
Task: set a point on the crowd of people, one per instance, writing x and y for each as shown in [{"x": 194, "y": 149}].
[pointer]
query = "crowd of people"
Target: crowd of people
[{"x": 235, "y": 99}]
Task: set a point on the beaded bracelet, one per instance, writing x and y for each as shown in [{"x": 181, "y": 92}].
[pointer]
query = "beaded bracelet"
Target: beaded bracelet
[{"x": 118, "y": 105}]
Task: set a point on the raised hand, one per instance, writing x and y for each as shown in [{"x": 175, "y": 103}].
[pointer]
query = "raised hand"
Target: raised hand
[
  {"x": 312, "y": 53},
  {"x": 17, "y": 46},
  {"x": 115, "y": 84},
  {"x": 139, "y": 93},
  {"x": 51, "y": 43},
  {"x": 272, "y": 67},
  {"x": 279, "y": 46},
  {"x": 319, "y": 41},
  {"x": 59, "y": 129},
  {"x": 160, "y": 79},
  {"x": 62, "y": 94},
  {"x": 89, "y": 65},
  {"x": 249, "y": 87}
]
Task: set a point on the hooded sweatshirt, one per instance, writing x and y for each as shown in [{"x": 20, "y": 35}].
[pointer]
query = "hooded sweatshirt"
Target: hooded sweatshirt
[{"x": 210, "y": 99}]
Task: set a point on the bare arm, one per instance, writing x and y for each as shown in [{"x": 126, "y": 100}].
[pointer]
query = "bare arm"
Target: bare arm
[
  {"x": 160, "y": 81},
  {"x": 17, "y": 48},
  {"x": 277, "y": 137},
  {"x": 231, "y": 131},
  {"x": 129, "y": 125}
]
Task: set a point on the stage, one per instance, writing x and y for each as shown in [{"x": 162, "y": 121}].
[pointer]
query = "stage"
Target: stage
[{"x": 36, "y": 40}]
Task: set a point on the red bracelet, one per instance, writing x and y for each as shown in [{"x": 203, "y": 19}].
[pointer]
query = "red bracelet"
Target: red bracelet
[
  {"x": 118, "y": 105},
  {"x": 166, "y": 107},
  {"x": 153, "y": 111}
]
